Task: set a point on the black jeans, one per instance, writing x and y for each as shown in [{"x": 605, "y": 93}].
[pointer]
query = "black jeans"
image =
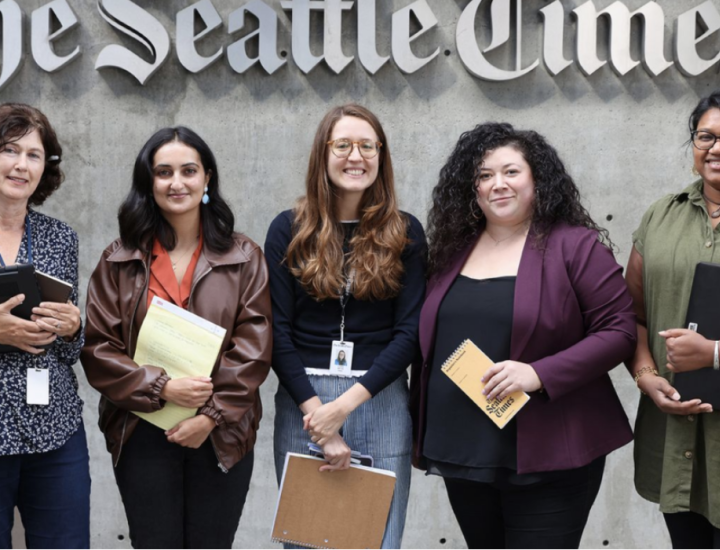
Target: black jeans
[
  {"x": 551, "y": 513},
  {"x": 177, "y": 497},
  {"x": 691, "y": 530}
]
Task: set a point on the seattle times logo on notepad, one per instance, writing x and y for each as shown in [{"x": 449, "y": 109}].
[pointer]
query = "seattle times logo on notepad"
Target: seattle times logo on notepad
[{"x": 466, "y": 367}]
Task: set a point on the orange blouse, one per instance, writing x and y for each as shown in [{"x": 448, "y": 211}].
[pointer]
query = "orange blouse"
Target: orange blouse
[{"x": 163, "y": 282}]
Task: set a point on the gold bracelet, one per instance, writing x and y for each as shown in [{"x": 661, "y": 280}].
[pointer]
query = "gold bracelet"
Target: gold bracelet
[{"x": 645, "y": 370}]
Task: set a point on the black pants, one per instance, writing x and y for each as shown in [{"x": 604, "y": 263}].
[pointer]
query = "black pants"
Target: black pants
[
  {"x": 551, "y": 513},
  {"x": 691, "y": 530},
  {"x": 177, "y": 497}
]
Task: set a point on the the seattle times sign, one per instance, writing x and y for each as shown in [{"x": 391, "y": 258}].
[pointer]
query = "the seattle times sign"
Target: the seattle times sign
[{"x": 57, "y": 18}]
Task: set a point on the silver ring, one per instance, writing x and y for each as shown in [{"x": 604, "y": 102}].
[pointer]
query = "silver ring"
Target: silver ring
[{"x": 58, "y": 325}]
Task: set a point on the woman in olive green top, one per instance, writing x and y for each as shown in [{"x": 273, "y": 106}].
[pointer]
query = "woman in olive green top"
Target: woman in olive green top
[{"x": 677, "y": 440}]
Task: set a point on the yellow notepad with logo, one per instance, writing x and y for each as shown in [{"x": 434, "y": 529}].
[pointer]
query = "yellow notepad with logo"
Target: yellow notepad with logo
[
  {"x": 183, "y": 344},
  {"x": 466, "y": 367}
]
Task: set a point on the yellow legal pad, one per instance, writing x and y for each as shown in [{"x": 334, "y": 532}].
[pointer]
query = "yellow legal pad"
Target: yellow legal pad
[
  {"x": 182, "y": 343},
  {"x": 466, "y": 367}
]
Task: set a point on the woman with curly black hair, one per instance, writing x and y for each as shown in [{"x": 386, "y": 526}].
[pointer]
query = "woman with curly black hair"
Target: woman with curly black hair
[{"x": 518, "y": 266}]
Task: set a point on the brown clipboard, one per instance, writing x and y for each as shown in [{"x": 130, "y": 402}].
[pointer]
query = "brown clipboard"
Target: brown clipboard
[{"x": 341, "y": 509}]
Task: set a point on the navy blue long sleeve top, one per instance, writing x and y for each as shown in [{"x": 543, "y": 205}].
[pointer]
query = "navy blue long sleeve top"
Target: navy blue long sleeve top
[{"x": 384, "y": 333}]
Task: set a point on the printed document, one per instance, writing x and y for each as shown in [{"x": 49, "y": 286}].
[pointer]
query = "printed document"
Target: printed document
[{"x": 183, "y": 344}]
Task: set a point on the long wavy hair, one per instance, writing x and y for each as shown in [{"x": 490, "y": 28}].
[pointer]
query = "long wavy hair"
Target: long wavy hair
[
  {"x": 140, "y": 218},
  {"x": 315, "y": 254},
  {"x": 18, "y": 120},
  {"x": 453, "y": 222}
]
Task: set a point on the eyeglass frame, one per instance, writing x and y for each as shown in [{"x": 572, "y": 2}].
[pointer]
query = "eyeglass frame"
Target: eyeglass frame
[
  {"x": 353, "y": 144},
  {"x": 696, "y": 132}
]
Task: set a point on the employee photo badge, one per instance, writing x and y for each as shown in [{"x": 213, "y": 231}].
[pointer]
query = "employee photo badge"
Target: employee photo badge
[
  {"x": 38, "y": 386},
  {"x": 341, "y": 358}
]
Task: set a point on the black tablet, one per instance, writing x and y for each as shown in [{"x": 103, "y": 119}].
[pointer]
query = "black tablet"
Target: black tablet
[
  {"x": 14, "y": 280},
  {"x": 702, "y": 316}
]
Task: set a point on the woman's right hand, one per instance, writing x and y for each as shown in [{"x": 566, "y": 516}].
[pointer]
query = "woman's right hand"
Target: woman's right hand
[
  {"x": 337, "y": 454},
  {"x": 191, "y": 392},
  {"x": 667, "y": 399},
  {"x": 24, "y": 335}
]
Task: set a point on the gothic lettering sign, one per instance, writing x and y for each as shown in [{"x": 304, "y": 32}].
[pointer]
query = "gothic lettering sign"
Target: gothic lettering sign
[{"x": 408, "y": 25}]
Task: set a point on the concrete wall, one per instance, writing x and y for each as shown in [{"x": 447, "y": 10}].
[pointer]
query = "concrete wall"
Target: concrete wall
[{"x": 622, "y": 138}]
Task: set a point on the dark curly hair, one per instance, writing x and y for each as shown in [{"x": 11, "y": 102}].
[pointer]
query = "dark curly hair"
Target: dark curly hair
[
  {"x": 139, "y": 217},
  {"x": 18, "y": 120},
  {"x": 453, "y": 222}
]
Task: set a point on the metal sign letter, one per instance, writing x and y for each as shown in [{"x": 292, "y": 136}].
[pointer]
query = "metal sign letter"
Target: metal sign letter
[
  {"x": 267, "y": 37},
  {"x": 302, "y": 55},
  {"x": 334, "y": 56},
  {"x": 469, "y": 51},
  {"x": 554, "y": 38},
  {"x": 620, "y": 35},
  {"x": 367, "y": 48},
  {"x": 130, "y": 19},
  {"x": 41, "y": 44},
  {"x": 402, "y": 54},
  {"x": 12, "y": 44},
  {"x": 186, "y": 37},
  {"x": 689, "y": 62}
]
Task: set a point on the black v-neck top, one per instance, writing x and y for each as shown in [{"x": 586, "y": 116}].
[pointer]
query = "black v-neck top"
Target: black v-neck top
[{"x": 460, "y": 440}]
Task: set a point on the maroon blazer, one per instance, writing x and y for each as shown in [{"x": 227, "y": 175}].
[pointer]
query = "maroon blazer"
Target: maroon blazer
[{"x": 573, "y": 321}]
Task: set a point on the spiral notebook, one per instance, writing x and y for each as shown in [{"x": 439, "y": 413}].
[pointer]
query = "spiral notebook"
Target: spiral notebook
[
  {"x": 343, "y": 509},
  {"x": 465, "y": 367}
]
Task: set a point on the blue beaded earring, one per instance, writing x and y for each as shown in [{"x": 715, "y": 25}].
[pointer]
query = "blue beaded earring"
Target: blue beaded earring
[{"x": 205, "y": 198}]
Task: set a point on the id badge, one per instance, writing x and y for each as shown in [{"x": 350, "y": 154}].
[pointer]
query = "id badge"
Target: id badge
[
  {"x": 38, "y": 386},
  {"x": 341, "y": 358}
]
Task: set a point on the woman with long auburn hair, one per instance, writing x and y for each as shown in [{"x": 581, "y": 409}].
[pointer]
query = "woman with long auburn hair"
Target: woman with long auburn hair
[{"x": 347, "y": 276}]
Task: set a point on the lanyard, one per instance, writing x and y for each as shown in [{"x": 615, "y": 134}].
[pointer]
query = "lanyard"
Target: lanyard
[
  {"x": 344, "y": 298},
  {"x": 28, "y": 238}
]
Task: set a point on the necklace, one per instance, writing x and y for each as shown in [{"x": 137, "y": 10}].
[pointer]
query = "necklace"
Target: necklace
[
  {"x": 497, "y": 242},
  {"x": 174, "y": 263},
  {"x": 715, "y": 213}
]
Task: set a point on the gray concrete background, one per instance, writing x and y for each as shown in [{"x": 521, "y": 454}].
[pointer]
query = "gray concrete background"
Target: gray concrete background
[{"x": 621, "y": 137}]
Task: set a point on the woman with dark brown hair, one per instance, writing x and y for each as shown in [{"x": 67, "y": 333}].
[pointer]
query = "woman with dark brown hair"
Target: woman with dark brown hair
[
  {"x": 184, "y": 487},
  {"x": 347, "y": 274},
  {"x": 44, "y": 469}
]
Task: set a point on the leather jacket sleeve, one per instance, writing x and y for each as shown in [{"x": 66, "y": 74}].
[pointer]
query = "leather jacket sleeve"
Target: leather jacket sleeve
[
  {"x": 245, "y": 363},
  {"x": 105, "y": 358}
]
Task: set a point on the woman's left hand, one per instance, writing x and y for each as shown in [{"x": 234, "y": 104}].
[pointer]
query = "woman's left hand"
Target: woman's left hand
[
  {"x": 61, "y": 319},
  {"x": 324, "y": 422},
  {"x": 191, "y": 432},
  {"x": 687, "y": 350},
  {"x": 507, "y": 377}
]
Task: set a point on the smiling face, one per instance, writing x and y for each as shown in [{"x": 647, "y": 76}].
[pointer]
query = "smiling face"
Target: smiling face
[
  {"x": 179, "y": 179},
  {"x": 707, "y": 163},
  {"x": 505, "y": 187},
  {"x": 22, "y": 163},
  {"x": 354, "y": 174}
]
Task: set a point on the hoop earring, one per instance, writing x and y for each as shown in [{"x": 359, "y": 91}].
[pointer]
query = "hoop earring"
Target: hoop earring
[
  {"x": 206, "y": 198},
  {"x": 475, "y": 211},
  {"x": 694, "y": 171}
]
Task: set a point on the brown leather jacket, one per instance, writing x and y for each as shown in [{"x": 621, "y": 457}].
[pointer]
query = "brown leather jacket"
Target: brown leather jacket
[{"x": 229, "y": 289}]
